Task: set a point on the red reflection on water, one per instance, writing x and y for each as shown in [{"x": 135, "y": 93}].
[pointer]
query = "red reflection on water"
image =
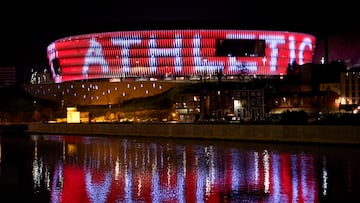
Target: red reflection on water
[
  {"x": 148, "y": 173},
  {"x": 285, "y": 176}
]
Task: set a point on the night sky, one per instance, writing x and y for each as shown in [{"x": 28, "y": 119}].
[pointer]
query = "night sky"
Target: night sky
[{"x": 28, "y": 28}]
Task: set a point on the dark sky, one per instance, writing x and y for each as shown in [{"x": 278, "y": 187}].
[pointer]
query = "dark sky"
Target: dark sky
[{"x": 28, "y": 28}]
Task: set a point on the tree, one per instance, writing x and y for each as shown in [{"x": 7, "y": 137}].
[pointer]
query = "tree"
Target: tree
[
  {"x": 243, "y": 71},
  {"x": 219, "y": 75},
  {"x": 293, "y": 69}
]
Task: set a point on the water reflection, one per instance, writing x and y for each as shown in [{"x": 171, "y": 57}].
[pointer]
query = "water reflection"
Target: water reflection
[{"x": 106, "y": 169}]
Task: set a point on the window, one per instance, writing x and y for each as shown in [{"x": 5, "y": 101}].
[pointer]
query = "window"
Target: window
[{"x": 236, "y": 47}]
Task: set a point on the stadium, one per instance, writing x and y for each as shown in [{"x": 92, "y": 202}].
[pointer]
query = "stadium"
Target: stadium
[{"x": 110, "y": 67}]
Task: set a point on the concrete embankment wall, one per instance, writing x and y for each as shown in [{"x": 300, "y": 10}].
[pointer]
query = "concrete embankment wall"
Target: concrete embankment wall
[{"x": 341, "y": 134}]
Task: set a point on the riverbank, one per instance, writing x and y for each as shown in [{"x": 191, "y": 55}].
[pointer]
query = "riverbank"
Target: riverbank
[
  {"x": 330, "y": 134},
  {"x": 13, "y": 129}
]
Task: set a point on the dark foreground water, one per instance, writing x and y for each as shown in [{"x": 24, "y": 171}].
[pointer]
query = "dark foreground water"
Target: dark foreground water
[{"x": 53, "y": 168}]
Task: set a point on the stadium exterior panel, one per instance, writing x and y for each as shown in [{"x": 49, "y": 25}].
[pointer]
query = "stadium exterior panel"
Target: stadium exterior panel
[
  {"x": 177, "y": 54},
  {"x": 111, "y": 67}
]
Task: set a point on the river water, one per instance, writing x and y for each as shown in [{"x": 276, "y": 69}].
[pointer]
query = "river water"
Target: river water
[{"x": 55, "y": 168}]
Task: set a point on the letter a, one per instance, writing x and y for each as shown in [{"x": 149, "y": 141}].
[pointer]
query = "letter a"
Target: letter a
[{"x": 94, "y": 55}]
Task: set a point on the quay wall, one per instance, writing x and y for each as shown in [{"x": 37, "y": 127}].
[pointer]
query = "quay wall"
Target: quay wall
[{"x": 332, "y": 134}]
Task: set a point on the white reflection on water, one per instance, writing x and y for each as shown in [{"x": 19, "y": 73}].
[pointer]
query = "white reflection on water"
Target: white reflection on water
[
  {"x": 324, "y": 176},
  {"x": 294, "y": 180},
  {"x": 98, "y": 190},
  {"x": 236, "y": 175},
  {"x": 276, "y": 183},
  {"x": 36, "y": 168},
  {"x": 266, "y": 171},
  {"x": 57, "y": 184},
  {"x": 135, "y": 171}
]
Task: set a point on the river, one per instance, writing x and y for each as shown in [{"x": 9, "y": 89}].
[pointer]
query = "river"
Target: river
[{"x": 75, "y": 168}]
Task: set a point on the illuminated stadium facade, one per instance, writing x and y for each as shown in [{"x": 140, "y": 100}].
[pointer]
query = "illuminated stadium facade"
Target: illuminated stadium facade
[
  {"x": 109, "y": 68},
  {"x": 178, "y": 54}
]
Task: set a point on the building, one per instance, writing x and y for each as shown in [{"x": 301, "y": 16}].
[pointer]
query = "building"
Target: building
[
  {"x": 350, "y": 90},
  {"x": 7, "y": 76},
  {"x": 81, "y": 65},
  {"x": 112, "y": 67},
  {"x": 249, "y": 104},
  {"x": 179, "y": 54},
  {"x": 188, "y": 106}
]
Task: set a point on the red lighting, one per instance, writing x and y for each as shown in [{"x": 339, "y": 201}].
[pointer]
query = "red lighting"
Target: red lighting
[{"x": 180, "y": 52}]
